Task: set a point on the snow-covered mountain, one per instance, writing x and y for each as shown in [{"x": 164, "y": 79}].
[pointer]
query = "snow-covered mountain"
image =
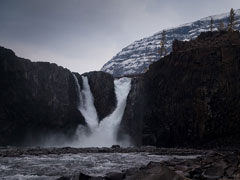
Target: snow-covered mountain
[{"x": 135, "y": 58}]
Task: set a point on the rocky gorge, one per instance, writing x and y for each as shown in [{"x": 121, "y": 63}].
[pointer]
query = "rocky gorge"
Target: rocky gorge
[
  {"x": 40, "y": 98},
  {"x": 189, "y": 98}
]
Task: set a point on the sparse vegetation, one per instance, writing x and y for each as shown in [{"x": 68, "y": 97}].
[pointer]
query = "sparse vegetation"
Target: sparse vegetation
[
  {"x": 232, "y": 20},
  {"x": 211, "y": 24},
  {"x": 163, "y": 50}
]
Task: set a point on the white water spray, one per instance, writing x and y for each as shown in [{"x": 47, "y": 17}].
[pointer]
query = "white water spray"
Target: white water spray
[
  {"x": 86, "y": 103},
  {"x": 103, "y": 134}
]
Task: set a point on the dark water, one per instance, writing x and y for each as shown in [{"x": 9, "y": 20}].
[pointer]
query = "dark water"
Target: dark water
[{"x": 50, "y": 167}]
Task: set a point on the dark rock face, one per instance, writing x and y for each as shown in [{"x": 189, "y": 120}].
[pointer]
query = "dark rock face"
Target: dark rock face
[
  {"x": 189, "y": 98},
  {"x": 102, "y": 87},
  {"x": 193, "y": 95},
  {"x": 131, "y": 123},
  {"x": 35, "y": 98},
  {"x": 115, "y": 176}
]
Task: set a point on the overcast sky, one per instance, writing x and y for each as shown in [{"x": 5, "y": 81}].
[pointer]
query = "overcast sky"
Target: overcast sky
[{"x": 82, "y": 35}]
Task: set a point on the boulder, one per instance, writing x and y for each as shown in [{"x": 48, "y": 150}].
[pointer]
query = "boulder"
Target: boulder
[
  {"x": 214, "y": 172},
  {"x": 63, "y": 178},
  {"x": 115, "y": 146},
  {"x": 158, "y": 172},
  {"x": 81, "y": 176},
  {"x": 115, "y": 176}
]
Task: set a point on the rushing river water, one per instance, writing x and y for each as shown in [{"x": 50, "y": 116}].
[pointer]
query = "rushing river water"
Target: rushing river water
[{"x": 50, "y": 167}]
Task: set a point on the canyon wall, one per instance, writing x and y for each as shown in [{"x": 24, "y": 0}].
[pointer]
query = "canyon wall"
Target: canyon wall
[
  {"x": 192, "y": 96},
  {"x": 36, "y": 98},
  {"x": 189, "y": 98},
  {"x": 40, "y": 99}
]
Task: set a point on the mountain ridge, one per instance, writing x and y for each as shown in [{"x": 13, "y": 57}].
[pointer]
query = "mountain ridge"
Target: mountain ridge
[{"x": 136, "y": 57}]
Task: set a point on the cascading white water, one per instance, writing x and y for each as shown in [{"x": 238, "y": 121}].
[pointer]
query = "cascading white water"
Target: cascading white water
[
  {"x": 103, "y": 134},
  {"x": 86, "y": 103}
]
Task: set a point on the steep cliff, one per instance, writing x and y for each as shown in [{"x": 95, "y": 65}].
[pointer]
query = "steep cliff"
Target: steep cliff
[
  {"x": 189, "y": 98},
  {"x": 35, "y": 98},
  {"x": 102, "y": 87},
  {"x": 131, "y": 123},
  {"x": 193, "y": 95}
]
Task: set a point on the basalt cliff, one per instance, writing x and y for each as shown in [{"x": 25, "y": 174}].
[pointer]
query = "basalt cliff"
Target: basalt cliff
[
  {"x": 40, "y": 98},
  {"x": 191, "y": 97}
]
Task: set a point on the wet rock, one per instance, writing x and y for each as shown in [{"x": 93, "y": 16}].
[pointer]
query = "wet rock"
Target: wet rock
[
  {"x": 214, "y": 172},
  {"x": 81, "y": 176},
  {"x": 115, "y": 146},
  {"x": 115, "y": 176},
  {"x": 132, "y": 171},
  {"x": 102, "y": 87},
  {"x": 195, "y": 173},
  {"x": 97, "y": 178},
  {"x": 63, "y": 178},
  {"x": 237, "y": 174},
  {"x": 221, "y": 164},
  {"x": 230, "y": 171},
  {"x": 158, "y": 172}
]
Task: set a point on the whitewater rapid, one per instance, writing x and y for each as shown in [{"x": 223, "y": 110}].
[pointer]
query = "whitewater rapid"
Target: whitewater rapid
[{"x": 103, "y": 134}]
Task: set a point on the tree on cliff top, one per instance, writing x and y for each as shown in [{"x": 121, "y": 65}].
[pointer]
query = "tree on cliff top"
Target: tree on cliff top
[
  {"x": 232, "y": 20},
  {"x": 163, "y": 50}
]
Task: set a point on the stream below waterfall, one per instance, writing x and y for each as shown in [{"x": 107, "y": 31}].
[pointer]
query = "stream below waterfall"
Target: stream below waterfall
[{"x": 51, "y": 166}]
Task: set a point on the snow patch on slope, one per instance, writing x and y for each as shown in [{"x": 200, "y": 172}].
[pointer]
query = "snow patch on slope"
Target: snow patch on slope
[{"x": 135, "y": 58}]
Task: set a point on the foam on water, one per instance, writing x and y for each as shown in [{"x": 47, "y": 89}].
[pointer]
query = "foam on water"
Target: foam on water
[
  {"x": 86, "y": 103},
  {"x": 103, "y": 134}
]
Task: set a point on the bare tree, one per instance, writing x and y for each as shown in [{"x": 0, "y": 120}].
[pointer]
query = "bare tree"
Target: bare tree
[
  {"x": 211, "y": 24},
  {"x": 232, "y": 20},
  {"x": 163, "y": 50}
]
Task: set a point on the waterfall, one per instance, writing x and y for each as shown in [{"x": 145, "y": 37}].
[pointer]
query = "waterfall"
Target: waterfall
[
  {"x": 103, "y": 134},
  {"x": 86, "y": 103}
]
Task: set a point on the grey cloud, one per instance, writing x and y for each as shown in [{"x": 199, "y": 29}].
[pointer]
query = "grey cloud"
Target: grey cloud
[{"x": 83, "y": 34}]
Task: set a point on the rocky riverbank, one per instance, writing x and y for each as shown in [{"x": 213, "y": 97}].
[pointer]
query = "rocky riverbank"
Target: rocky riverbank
[
  {"x": 36, "y": 151},
  {"x": 178, "y": 163},
  {"x": 209, "y": 165}
]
